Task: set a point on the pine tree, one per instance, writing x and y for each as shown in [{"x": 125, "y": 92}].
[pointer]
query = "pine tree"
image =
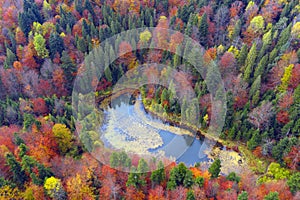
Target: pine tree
[
  {"x": 31, "y": 13},
  {"x": 273, "y": 55},
  {"x": 250, "y": 61},
  {"x": 68, "y": 66},
  {"x": 124, "y": 160},
  {"x": 278, "y": 151},
  {"x": 28, "y": 120},
  {"x": 177, "y": 176},
  {"x": 233, "y": 177},
  {"x": 143, "y": 167},
  {"x": 18, "y": 141},
  {"x": 243, "y": 55},
  {"x": 188, "y": 179},
  {"x": 260, "y": 69},
  {"x": 67, "y": 18},
  {"x": 172, "y": 21},
  {"x": 255, "y": 90},
  {"x": 151, "y": 24},
  {"x": 86, "y": 139},
  {"x": 89, "y": 43},
  {"x": 295, "y": 108},
  {"x": 78, "y": 6},
  {"x": 203, "y": 30},
  {"x": 284, "y": 36},
  {"x": 89, "y": 7},
  {"x": 199, "y": 181},
  {"x": 294, "y": 182},
  {"x": 213, "y": 78},
  {"x": 186, "y": 10},
  {"x": 215, "y": 168},
  {"x": 86, "y": 30},
  {"x": 230, "y": 115},
  {"x": 272, "y": 196},
  {"x": 114, "y": 160},
  {"x": 164, "y": 95},
  {"x": 177, "y": 57},
  {"x": 24, "y": 23},
  {"x": 285, "y": 11},
  {"x": 237, "y": 29},
  {"x": 188, "y": 30},
  {"x": 12, "y": 39},
  {"x": 28, "y": 162},
  {"x": 158, "y": 175},
  {"x": 56, "y": 44},
  {"x": 254, "y": 141},
  {"x": 108, "y": 74},
  {"x": 190, "y": 195},
  {"x": 243, "y": 196},
  {"x": 22, "y": 150},
  {"x": 267, "y": 41},
  {"x": 81, "y": 45},
  {"x": 134, "y": 179},
  {"x": 231, "y": 133},
  {"x": 94, "y": 30},
  {"x": 19, "y": 175},
  {"x": 43, "y": 174},
  {"x": 184, "y": 107},
  {"x": 10, "y": 58}
]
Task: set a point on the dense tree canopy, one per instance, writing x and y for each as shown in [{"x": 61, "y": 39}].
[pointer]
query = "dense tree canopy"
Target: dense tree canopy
[{"x": 46, "y": 44}]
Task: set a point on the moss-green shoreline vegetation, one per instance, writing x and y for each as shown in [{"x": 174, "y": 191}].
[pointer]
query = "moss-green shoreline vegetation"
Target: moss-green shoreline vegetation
[
  {"x": 232, "y": 161},
  {"x": 240, "y": 156},
  {"x": 249, "y": 160},
  {"x": 258, "y": 165}
]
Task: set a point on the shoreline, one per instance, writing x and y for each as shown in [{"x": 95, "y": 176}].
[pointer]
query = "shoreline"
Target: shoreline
[
  {"x": 171, "y": 126},
  {"x": 199, "y": 133},
  {"x": 102, "y": 100},
  {"x": 257, "y": 165},
  {"x": 249, "y": 161}
]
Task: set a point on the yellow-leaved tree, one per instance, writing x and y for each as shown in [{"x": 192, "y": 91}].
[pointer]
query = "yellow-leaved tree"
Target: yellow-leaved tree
[
  {"x": 257, "y": 24},
  {"x": 296, "y": 31},
  {"x": 78, "y": 188},
  {"x": 63, "y": 137},
  {"x": 145, "y": 36},
  {"x": 40, "y": 45},
  {"x": 7, "y": 192},
  {"x": 286, "y": 78},
  {"x": 54, "y": 188}
]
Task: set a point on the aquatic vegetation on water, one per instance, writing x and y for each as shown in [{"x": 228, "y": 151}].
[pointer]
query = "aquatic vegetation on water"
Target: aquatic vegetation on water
[
  {"x": 230, "y": 160},
  {"x": 129, "y": 133}
]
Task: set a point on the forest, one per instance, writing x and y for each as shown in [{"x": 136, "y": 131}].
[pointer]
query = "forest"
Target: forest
[{"x": 45, "y": 45}]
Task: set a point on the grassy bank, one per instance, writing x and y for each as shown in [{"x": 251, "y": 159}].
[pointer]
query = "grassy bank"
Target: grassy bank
[{"x": 257, "y": 165}]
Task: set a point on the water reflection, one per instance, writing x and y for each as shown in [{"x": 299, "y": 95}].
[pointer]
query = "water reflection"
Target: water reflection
[{"x": 128, "y": 127}]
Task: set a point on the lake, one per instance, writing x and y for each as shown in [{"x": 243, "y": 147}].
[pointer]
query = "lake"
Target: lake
[{"x": 130, "y": 128}]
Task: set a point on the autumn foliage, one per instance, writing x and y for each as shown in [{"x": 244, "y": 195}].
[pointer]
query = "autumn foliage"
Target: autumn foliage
[{"x": 46, "y": 44}]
